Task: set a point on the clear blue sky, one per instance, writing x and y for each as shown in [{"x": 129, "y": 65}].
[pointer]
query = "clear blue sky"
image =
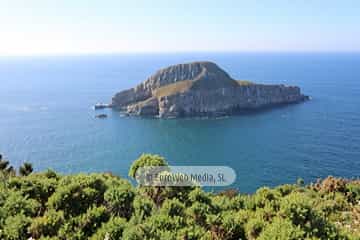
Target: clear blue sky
[{"x": 32, "y": 27}]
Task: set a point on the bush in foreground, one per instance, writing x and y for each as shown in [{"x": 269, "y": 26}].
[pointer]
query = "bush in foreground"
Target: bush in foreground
[{"x": 102, "y": 206}]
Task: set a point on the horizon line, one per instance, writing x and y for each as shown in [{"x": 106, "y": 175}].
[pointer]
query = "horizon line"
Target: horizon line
[{"x": 79, "y": 54}]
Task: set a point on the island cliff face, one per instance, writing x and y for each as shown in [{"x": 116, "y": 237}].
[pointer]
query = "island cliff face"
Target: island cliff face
[{"x": 200, "y": 89}]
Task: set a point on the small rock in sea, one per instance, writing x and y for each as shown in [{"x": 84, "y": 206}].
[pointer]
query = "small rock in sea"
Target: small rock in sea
[
  {"x": 101, "y": 106},
  {"x": 101, "y": 116}
]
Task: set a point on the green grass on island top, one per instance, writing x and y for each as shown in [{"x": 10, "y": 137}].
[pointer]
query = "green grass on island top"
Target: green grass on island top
[
  {"x": 173, "y": 88},
  {"x": 183, "y": 86},
  {"x": 48, "y": 205},
  {"x": 244, "y": 82}
]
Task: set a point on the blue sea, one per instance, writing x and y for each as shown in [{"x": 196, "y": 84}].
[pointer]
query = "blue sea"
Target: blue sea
[{"x": 47, "y": 119}]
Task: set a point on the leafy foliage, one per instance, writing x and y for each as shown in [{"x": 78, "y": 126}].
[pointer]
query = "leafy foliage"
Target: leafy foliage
[
  {"x": 5, "y": 168},
  {"x": 112, "y": 230},
  {"x": 146, "y": 160},
  {"x": 102, "y": 206},
  {"x": 26, "y": 169},
  {"x": 119, "y": 200},
  {"x": 15, "y": 227}
]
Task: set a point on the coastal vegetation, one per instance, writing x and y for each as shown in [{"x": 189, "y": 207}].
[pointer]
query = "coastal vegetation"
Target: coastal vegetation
[
  {"x": 98, "y": 206},
  {"x": 174, "y": 88},
  {"x": 244, "y": 82}
]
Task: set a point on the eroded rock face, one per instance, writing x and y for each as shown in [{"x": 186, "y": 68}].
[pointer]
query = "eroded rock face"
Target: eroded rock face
[{"x": 200, "y": 89}]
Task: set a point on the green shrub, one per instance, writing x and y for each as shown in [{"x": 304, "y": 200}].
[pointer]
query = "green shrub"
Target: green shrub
[
  {"x": 194, "y": 232},
  {"x": 47, "y": 225},
  {"x": 198, "y": 212},
  {"x": 254, "y": 227},
  {"x": 331, "y": 203},
  {"x": 172, "y": 208},
  {"x": 198, "y": 195},
  {"x": 119, "y": 200},
  {"x": 135, "y": 232},
  {"x": 300, "y": 182},
  {"x": 102, "y": 206},
  {"x": 265, "y": 196},
  {"x": 49, "y": 238},
  {"x": 16, "y": 203},
  {"x": 15, "y": 227},
  {"x": 353, "y": 190},
  {"x": 143, "y": 207},
  {"x": 160, "y": 222},
  {"x": 76, "y": 194},
  {"x": 111, "y": 230},
  {"x": 233, "y": 224},
  {"x": 146, "y": 160},
  {"x": 281, "y": 229},
  {"x": 286, "y": 189},
  {"x": 26, "y": 169},
  {"x": 224, "y": 203},
  {"x": 49, "y": 173},
  {"x": 298, "y": 208},
  {"x": 92, "y": 219},
  {"x": 35, "y": 186}
]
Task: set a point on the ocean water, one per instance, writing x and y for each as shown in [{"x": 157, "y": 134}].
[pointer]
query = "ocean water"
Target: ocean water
[{"x": 46, "y": 117}]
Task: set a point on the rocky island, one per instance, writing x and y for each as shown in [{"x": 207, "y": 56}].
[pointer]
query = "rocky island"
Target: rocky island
[{"x": 200, "y": 89}]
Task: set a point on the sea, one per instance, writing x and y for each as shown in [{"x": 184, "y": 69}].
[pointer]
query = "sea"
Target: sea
[{"x": 47, "y": 117}]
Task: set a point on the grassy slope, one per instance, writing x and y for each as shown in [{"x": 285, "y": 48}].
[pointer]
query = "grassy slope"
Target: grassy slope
[
  {"x": 173, "y": 88},
  {"x": 244, "y": 82},
  {"x": 183, "y": 86}
]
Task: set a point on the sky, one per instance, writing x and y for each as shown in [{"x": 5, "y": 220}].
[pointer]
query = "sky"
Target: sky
[{"x": 51, "y": 27}]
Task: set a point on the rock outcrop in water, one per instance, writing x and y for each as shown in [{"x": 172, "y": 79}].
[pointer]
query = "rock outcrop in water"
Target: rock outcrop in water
[{"x": 200, "y": 89}]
